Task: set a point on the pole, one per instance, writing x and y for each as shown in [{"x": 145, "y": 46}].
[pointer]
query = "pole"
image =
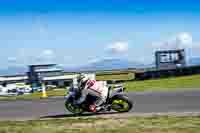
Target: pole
[{"x": 44, "y": 93}]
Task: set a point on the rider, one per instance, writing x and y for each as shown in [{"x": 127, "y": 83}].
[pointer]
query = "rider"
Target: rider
[{"x": 92, "y": 88}]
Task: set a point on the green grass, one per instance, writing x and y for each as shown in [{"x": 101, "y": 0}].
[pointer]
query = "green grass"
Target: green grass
[
  {"x": 116, "y": 76},
  {"x": 168, "y": 84},
  {"x": 153, "y": 124}
]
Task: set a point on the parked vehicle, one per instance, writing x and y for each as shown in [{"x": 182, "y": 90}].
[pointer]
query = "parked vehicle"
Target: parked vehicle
[
  {"x": 8, "y": 90},
  {"x": 24, "y": 90}
]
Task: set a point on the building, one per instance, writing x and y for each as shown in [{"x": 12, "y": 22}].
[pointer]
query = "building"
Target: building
[
  {"x": 49, "y": 74},
  {"x": 170, "y": 59},
  {"x": 38, "y": 72},
  {"x": 11, "y": 79}
]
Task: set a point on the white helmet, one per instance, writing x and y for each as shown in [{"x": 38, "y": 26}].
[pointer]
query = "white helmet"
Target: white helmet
[{"x": 82, "y": 78}]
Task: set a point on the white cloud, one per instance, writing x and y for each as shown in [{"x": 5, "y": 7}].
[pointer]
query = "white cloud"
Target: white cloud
[
  {"x": 48, "y": 52},
  {"x": 182, "y": 40},
  {"x": 12, "y": 59},
  {"x": 118, "y": 47},
  {"x": 46, "y": 56},
  {"x": 94, "y": 60}
]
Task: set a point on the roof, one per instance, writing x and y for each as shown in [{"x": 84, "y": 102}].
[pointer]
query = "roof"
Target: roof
[
  {"x": 8, "y": 76},
  {"x": 13, "y": 78},
  {"x": 2, "y": 78},
  {"x": 170, "y": 51},
  {"x": 48, "y": 70},
  {"x": 41, "y": 65}
]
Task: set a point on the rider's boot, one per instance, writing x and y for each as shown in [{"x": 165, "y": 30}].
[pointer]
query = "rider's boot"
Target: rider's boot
[{"x": 99, "y": 108}]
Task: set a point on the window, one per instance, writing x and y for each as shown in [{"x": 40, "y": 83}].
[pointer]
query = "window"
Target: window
[
  {"x": 46, "y": 83},
  {"x": 67, "y": 83},
  {"x": 55, "y": 83}
]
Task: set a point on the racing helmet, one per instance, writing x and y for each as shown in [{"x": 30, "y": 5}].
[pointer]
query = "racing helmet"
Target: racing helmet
[{"x": 82, "y": 79}]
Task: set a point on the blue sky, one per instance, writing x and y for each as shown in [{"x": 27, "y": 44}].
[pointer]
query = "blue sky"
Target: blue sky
[{"x": 77, "y": 32}]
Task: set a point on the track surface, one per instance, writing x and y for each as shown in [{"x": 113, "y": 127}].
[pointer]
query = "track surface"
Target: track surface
[{"x": 157, "y": 102}]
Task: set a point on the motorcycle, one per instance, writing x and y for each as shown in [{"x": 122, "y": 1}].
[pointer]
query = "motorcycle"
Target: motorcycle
[{"x": 116, "y": 100}]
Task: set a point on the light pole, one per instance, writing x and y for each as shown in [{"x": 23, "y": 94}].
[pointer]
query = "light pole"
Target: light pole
[{"x": 44, "y": 93}]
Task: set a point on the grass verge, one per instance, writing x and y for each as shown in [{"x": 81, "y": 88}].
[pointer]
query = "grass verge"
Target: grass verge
[
  {"x": 115, "y": 76},
  {"x": 168, "y": 84},
  {"x": 154, "y": 124}
]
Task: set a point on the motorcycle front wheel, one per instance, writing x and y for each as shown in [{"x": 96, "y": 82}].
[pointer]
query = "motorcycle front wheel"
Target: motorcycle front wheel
[
  {"x": 121, "y": 103},
  {"x": 75, "y": 110}
]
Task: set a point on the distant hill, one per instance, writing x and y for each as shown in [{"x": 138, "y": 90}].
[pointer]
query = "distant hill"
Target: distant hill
[
  {"x": 13, "y": 70},
  {"x": 108, "y": 64}
]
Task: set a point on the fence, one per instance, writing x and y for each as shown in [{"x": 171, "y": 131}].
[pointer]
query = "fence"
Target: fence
[{"x": 155, "y": 74}]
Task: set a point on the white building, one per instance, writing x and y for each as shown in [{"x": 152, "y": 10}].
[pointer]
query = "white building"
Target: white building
[
  {"x": 14, "y": 79},
  {"x": 60, "y": 81}
]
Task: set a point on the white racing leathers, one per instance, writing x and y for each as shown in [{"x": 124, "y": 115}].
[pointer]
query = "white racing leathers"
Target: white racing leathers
[{"x": 94, "y": 88}]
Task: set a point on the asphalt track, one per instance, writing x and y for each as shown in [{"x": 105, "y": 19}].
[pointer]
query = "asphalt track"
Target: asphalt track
[{"x": 150, "y": 102}]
